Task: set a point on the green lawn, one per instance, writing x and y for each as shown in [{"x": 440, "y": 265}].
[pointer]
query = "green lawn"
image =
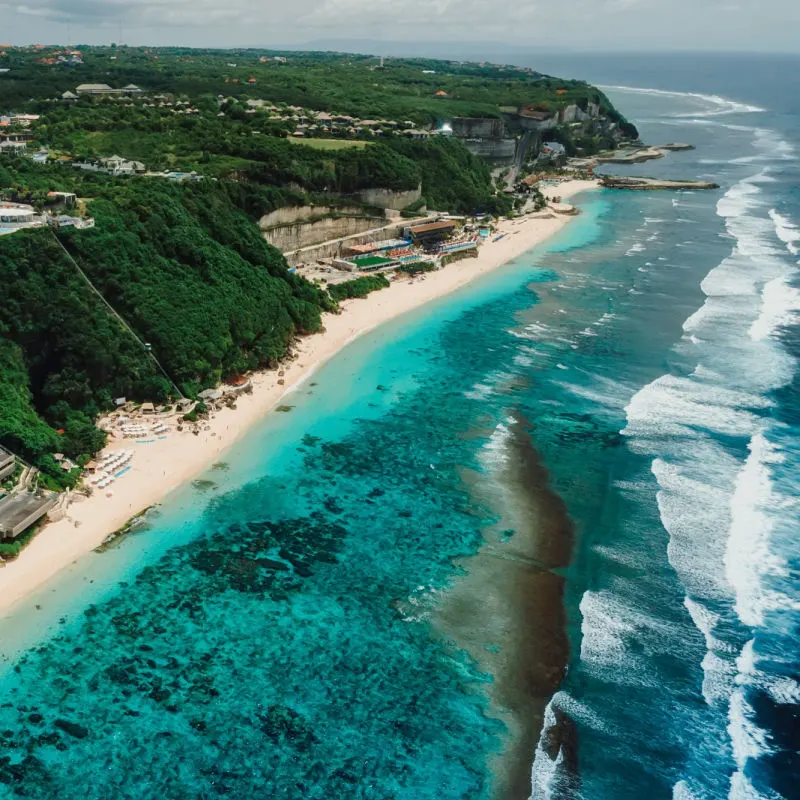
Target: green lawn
[
  {"x": 371, "y": 261},
  {"x": 329, "y": 144}
]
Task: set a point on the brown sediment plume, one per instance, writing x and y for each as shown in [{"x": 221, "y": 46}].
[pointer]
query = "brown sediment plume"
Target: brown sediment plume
[{"x": 507, "y": 610}]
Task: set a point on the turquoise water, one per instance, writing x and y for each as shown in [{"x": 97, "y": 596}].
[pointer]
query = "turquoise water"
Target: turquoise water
[{"x": 269, "y": 653}]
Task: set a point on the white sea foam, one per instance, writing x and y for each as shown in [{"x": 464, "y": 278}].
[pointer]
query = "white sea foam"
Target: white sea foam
[
  {"x": 495, "y": 453},
  {"x": 673, "y": 406},
  {"x": 603, "y": 630},
  {"x": 718, "y": 670},
  {"x": 785, "y": 690},
  {"x": 604, "y": 392},
  {"x": 681, "y": 791},
  {"x": 720, "y": 510},
  {"x": 786, "y": 231},
  {"x": 544, "y": 774},
  {"x": 748, "y": 557},
  {"x": 742, "y": 789},
  {"x": 715, "y": 105},
  {"x": 780, "y": 304},
  {"x": 747, "y": 739},
  {"x": 608, "y": 627}
]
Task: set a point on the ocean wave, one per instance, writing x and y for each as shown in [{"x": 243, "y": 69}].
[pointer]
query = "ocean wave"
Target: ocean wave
[
  {"x": 602, "y": 391},
  {"x": 718, "y": 669},
  {"x": 681, "y": 791},
  {"x": 674, "y": 406},
  {"x": 609, "y": 627},
  {"x": 786, "y": 231},
  {"x": 718, "y": 106},
  {"x": 779, "y": 307},
  {"x": 742, "y": 789},
  {"x": 544, "y": 774},
  {"x": 747, "y": 739},
  {"x": 748, "y": 557}
]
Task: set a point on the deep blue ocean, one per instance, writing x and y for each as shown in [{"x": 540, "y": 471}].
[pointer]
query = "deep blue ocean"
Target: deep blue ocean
[{"x": 542, "y": 532}]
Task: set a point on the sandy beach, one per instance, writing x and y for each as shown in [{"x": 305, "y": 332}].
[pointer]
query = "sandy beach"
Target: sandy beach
[{"x": 164, "y": 464}]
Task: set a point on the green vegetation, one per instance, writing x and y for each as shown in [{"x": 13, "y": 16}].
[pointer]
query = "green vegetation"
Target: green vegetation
[
  {"x": 360, "y": 287},
  {"x": 330, "y": 144},
  {"x": 405, "y": 89},
  {"x": 452, "y": 178},
  {"x": 417, "y": 267},
  {"x": 183, "y": 265},
  {"x": 11, "y": 549}
]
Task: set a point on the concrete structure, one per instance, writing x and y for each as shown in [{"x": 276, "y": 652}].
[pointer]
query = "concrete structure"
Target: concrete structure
[
  {"x": 114, "y": 165},
  {"x": 17, "y": 215},
  {"x": 65, "y": 221},
  {"x": 12, "y": 148},
  {"x": 477, "y": 128},
  {"x": 7, "y": 464},
  {"x": 67, "y": 198},
  {"x": 16, "y": 136},
  {"x": 291, "y": 229},
  {"x": 95, "y": 88},
  {"x": 104, "y": 88},
  {"x": 335, "y": 247},
  {"x": 531, "y": 120},
  {"x": 19, "y": 511},
  {"x": 492, "y": 149}
]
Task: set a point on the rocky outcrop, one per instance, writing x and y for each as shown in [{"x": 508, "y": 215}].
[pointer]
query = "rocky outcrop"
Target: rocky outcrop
[{"x": 621, "y": 182}]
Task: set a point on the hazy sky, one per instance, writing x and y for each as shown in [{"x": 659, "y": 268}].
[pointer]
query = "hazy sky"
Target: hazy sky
[{"x": 755, "y": 25}]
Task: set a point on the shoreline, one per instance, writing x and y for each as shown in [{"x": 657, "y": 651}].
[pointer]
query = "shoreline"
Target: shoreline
[{"x": 161, "y": 466}]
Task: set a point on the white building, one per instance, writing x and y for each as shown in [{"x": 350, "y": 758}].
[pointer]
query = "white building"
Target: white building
[
  {"x": 12, "y": 148},
  {"x": 95, "y": 88},
  {"x": 17, "y": 214}
]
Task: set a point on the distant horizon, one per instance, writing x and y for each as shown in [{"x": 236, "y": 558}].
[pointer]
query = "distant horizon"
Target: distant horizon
[
  {"x": 581, "y": 26},
  {"x": 421, "y": 49}
]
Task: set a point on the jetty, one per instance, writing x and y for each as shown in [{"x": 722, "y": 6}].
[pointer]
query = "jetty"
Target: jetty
[{"x": 644, "y": 184}]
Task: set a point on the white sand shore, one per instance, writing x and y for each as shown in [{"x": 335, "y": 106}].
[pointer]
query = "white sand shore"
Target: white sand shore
[{"x": 164, "y": 464}]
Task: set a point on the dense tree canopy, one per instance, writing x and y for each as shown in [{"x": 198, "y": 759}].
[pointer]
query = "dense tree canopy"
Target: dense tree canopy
[{"x": 186, "y": 269}]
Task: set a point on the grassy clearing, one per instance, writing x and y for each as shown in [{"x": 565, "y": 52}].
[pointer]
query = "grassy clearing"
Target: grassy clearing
[{"x": 329, "y": 144}]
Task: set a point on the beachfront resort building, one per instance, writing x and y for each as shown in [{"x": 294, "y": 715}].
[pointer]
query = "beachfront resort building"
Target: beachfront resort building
[
  {"x": 20, "y": 508},
  {"x": 431, "y": 233}
]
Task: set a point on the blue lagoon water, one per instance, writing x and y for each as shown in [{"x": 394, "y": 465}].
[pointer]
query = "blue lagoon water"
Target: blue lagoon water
[{"x": 540, "y": 533}]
